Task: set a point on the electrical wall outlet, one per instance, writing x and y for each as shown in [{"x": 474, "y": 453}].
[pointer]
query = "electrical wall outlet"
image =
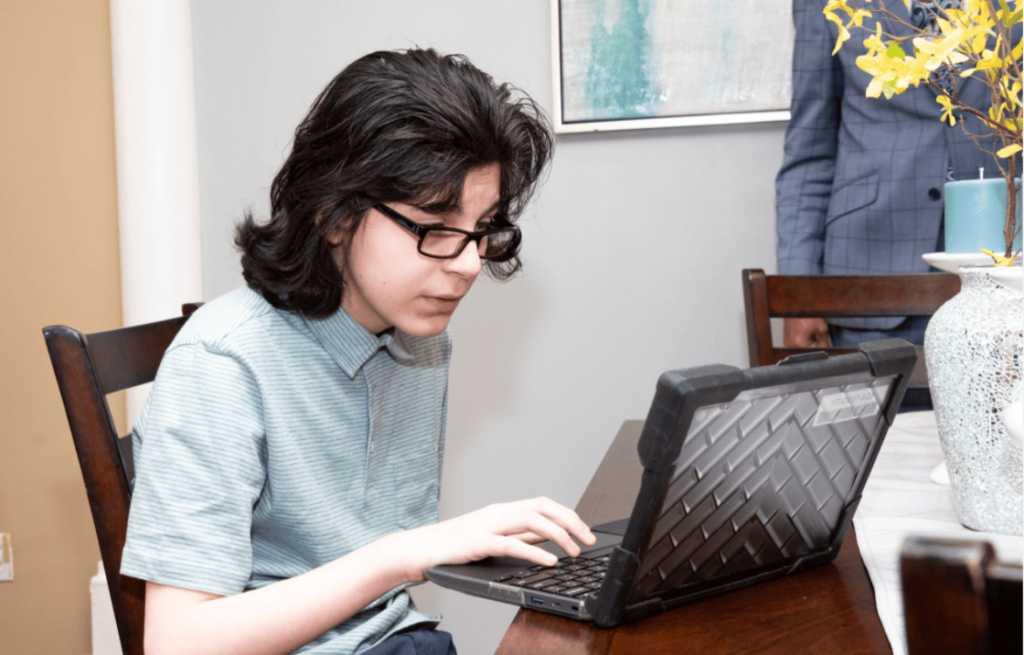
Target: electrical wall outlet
[{"x": 6, "y": 558}]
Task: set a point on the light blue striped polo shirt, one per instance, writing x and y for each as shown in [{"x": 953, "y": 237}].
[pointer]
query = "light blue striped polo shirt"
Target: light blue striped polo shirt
[{"x": 272, "y": 444}]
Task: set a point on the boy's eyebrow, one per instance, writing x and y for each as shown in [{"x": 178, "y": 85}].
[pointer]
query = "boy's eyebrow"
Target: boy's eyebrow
[{"x": 439, "y": 209}]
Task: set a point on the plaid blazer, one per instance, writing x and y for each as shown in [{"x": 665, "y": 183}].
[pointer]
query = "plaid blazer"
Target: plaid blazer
[{"x": 861, "y": 185}]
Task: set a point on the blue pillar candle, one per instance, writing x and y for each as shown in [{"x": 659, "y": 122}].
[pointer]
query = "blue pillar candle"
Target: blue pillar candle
[{"x": 976, "y": 216}]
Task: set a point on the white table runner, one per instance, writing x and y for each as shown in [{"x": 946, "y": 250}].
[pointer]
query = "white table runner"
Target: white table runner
[{"x": 900, "y": 500}]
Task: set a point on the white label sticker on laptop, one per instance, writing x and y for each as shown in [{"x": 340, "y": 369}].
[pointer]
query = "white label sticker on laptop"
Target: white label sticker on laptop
[{"x": 839, "y": 407}]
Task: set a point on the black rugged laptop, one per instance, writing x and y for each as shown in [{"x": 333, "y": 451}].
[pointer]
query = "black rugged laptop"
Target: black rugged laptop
[{"x": 749, "y": 475}]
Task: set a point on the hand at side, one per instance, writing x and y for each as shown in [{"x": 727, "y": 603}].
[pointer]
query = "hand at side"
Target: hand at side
[{"x": 805, "y": 333}]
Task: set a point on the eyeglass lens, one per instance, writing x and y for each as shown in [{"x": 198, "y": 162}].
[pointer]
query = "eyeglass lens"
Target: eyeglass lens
[{"x": 442, "y": 243}]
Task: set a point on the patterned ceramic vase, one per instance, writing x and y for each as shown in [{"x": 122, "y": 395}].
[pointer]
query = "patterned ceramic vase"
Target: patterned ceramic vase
[{"x": 974, "y": 346}]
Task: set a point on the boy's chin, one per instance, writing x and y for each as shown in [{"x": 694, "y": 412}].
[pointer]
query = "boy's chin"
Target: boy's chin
[{"x": 426, "y": 327}]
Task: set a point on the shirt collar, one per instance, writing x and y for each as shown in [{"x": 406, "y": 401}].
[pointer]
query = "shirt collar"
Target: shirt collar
[{"x": 351, "y": 346}]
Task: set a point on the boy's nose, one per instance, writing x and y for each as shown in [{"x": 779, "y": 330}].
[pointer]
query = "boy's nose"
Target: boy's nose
[{"x": 468, "y": 263}]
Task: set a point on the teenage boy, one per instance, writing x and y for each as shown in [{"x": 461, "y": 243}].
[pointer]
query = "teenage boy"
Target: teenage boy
[{"x": 291, "y": 446}]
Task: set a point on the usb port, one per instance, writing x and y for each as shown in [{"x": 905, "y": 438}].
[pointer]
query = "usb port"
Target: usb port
[{"x": 536, "y": 600}]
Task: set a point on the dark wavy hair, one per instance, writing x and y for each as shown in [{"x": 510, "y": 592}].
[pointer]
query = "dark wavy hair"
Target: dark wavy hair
[{"x": 401, "y": 126}]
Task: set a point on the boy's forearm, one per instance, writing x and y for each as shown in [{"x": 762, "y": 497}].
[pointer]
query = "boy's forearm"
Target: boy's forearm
[
  {"x": 280, "y": 617},
  {"x": 283, "y": 616}
]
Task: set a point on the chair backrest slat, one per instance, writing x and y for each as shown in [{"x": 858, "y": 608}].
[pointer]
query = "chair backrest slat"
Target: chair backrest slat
[
  {"x": 128, "y": 357},
  {"x": 858, "y": 295},
  {"x": 124, "y": 449}
]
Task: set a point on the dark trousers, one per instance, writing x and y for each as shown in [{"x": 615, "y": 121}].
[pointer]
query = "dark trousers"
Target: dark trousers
[{"x": 416, "y": 642}]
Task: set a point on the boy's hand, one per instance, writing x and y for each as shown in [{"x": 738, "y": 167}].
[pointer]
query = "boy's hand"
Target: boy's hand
[{"x": 503, "y": 529}]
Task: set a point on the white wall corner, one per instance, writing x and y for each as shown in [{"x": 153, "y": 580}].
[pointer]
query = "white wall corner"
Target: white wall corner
[
  {"x": 157, "y": 164},
  {"x": 105, "y": 640}
]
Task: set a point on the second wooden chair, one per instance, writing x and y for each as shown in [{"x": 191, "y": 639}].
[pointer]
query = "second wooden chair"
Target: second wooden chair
[{"x": 837, "y": 296}]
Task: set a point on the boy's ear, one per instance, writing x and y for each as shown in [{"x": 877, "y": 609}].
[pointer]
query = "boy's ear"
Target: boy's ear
[
  {"x": 339, "y": 234},
  {"x": 336, "y": 236}
]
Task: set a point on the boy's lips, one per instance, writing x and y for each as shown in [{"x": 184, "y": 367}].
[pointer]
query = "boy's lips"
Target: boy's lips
[{"x": 444, "y": 303}]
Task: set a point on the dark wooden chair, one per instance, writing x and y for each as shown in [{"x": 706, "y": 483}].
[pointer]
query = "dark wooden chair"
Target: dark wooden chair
[
  {"x": 88, "y": 367},
  {"x": 958, "y": 599},
  {"x": 836, "y": 296}
]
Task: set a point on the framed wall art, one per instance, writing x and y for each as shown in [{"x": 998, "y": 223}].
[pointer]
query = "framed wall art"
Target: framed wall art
[{"x": 631, "y": 64}]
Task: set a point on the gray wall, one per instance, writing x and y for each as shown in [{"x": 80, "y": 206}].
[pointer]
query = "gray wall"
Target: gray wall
[{"x": 633, "y": 249}]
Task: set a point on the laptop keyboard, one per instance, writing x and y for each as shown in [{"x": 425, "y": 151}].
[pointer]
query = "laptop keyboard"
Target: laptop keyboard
[{"x": 572, "y": 576}]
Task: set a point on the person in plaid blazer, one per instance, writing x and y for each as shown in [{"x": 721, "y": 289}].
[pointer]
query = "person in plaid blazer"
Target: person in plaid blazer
[{"x": 860, "y": 190}]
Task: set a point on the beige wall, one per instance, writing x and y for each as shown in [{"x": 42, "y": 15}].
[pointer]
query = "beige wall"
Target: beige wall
[{"x": 58, "y": 264}]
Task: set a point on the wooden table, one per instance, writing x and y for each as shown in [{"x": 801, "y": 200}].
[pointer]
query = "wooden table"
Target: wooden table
[{"x": 830, "y": 610}]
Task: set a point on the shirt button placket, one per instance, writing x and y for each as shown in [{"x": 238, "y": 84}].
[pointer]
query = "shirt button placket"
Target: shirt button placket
[
  {"x": 371, "y": 372},
  {"x": 371, "y": 420}
]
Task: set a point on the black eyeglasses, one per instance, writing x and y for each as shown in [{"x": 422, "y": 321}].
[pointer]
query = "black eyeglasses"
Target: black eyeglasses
[{"x": 495, "y": 244}]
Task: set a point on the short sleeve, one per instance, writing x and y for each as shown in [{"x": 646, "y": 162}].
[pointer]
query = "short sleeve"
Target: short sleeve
[{"x": 200, "y": 468}]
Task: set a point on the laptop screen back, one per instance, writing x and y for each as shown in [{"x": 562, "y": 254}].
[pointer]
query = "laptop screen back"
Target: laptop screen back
[{"x": 761, "y": 480}]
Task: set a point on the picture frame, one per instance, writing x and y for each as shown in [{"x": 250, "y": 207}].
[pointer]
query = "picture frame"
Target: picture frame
[{"x": 640, "y": 64}]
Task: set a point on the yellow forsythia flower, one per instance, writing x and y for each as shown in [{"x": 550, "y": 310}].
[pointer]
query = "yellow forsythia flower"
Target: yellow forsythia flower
[
  {"x": 1000, "y": 260},
  {"x": 947, "y": 113}
]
